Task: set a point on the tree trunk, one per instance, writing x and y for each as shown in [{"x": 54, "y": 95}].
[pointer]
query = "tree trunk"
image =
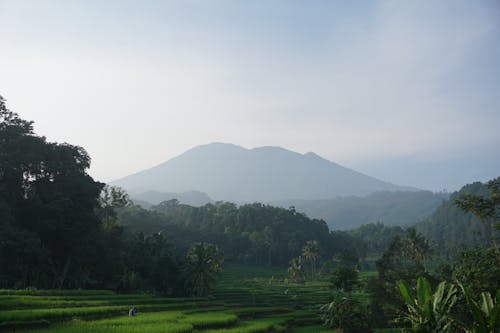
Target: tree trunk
[{"x": 64, "y": 272}]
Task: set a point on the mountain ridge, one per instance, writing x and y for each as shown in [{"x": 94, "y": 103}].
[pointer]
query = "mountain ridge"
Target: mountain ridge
[{"x": 232, "y": 173}]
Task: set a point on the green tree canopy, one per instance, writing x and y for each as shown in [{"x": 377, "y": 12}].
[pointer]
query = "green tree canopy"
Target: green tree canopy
[
  {"x": 202, "y": 267},
  {"x": 47, "y": 195}
]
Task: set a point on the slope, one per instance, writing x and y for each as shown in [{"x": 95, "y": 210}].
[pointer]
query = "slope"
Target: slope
[{"x": 233, "y": 173}]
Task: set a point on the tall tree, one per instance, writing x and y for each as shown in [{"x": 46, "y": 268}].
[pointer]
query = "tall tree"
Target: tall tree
[
  {"x": 202, "y": 267},
  {"x": 310, "y": 252},
  {"x": 46, "y": 191},
  {"x": 296, "y": 270},
  {"x": 417, "y": 246},
  {"x": 487, "y": 208},
  {"x": 399, "y": 262}
]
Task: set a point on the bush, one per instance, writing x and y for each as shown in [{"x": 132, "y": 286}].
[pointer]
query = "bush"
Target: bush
[
  {"x": 346, "y": 313},
  {"x": 344, "y": 278}
]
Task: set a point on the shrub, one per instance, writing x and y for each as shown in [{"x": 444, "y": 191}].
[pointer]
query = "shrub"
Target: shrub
[{"x": 345, "y": 313}]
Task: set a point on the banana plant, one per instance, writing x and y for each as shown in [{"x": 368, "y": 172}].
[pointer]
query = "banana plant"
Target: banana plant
[
  {"x": 426, "y": 311},
  {"x": 485, "y": 313}
]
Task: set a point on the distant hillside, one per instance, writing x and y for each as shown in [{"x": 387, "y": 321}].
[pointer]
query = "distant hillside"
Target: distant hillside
[
  {"x": 149, "y": 198},
  {"x": 391, "y": 208},
  {"x": 233, "y": 173},
  {"x": 450, "y": 228}
]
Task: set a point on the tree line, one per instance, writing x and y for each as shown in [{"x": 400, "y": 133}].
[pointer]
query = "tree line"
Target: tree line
[{"x": 252, "y": 233}]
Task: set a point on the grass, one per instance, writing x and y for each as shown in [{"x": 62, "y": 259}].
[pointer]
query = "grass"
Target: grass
[
  {"x": 171, "y": 321},
  {"x": 25, "y": 302},
  {"x": 57, "y": 314},
  {"x": 55, "y": 292},
  {"x": 249, "y": 299},
  {"x": 312, "y": 329}
]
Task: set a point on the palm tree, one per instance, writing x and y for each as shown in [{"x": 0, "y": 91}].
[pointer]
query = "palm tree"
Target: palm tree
[
  {"x": 202, "y": 267},
  {"x": 310, "y": 252},
  {"x": 417, "y": 246},
  {"x": 296, "y": 270}
]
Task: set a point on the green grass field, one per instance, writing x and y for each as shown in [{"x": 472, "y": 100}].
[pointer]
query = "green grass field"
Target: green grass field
[{"x": 248, "y": 299}]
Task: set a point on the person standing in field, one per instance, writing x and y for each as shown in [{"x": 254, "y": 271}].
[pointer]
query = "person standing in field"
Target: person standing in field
[{"x": 132, "y": 311}]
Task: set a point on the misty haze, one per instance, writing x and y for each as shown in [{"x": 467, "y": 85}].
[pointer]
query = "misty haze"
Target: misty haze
[{"x": 249, "y": 166}]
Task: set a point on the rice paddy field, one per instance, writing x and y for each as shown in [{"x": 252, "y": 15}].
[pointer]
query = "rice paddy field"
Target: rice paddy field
[{"x": 247, "y": 300}]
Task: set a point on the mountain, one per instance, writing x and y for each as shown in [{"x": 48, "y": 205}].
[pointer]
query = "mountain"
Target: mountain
[
  {"x": 191, "y": 198},
  {"x": 233, "y": 173},
  {"x": 390, "y": 208}
]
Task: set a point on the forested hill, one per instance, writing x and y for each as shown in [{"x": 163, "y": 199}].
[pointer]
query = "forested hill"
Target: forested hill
[
  {"x": 450, "y": 229},
  {"x": 392, "y": 208},
  {"x": 252, "y": 233},
  {"x": 150, "y": 198},
  {"x": 228, "y": 172}
]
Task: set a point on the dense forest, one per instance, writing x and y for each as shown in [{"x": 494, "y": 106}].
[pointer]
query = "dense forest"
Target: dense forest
[
  {"x": 400, "y": 208},
  {"x": 252, "y": 233},
  {"x": 451, "y": 229}
]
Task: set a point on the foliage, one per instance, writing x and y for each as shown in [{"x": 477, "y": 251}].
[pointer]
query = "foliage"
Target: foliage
[
  {"x": 252, "y": 233},
  {"x": 450, "y": 229},
  {"x": 202, "y": 268},
  {"x": 416, "y": 247},
  {"x": 486, "y": 207},
  {"x": 59, "y": 227},
  {"x": 479, "y": 269},
  {"x": 310, "y": 252},
  {"x": 347, "y": 258},
  {"x": 151, "y": 265},
  {"x": 402, "y": 208},
  {"x": 296, "y": 270},
  {"x": 344, "y": 278},
  {"x": 345, "y": 313},
  {"x": 426, "y": 311},
  {"x": 47, "y": 197},
  {"x": 403, "y": 260},
  {"x": 374, "y": 238},
  {"x": 485, "y": 313}
]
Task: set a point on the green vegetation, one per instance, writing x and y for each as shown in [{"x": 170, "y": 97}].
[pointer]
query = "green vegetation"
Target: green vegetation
[
  {"x": 251, "y": 234},
  {"x": 452, "y": 229},
  {"x": 71, "y": 236},
  {"x": 485, "y": 208},
  {"x": 346, "y": 313},
  {"x": 59, "y": 227},
  {"x": 485, "y": 312},
  {"x": 248, "y": 299},
  {"x": 428, "y": 312},
  {"x": 394, "y": 208},
  {"x": 201, "y": 268}
]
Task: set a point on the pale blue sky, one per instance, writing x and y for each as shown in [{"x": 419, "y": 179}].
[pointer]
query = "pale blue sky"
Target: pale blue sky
[{"x": 407, "y": 91}]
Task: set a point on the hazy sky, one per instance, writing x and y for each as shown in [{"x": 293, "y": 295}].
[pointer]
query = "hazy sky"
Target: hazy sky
[{"x": 408, "y": 91}]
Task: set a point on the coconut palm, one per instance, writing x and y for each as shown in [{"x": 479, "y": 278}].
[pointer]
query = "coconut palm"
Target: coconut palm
[
  {"x": 202, "y": 268},
  {"x": 310, "y": 252},
  {"x": 296, "y": 270},
  {"x": 417, "y": 246}
]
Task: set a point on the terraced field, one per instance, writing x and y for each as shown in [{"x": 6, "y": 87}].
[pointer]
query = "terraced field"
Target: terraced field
[{"x": 248, "y": 299}]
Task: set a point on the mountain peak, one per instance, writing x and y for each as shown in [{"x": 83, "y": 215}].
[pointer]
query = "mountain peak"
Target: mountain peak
[{"x": 225, "y": 171}]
